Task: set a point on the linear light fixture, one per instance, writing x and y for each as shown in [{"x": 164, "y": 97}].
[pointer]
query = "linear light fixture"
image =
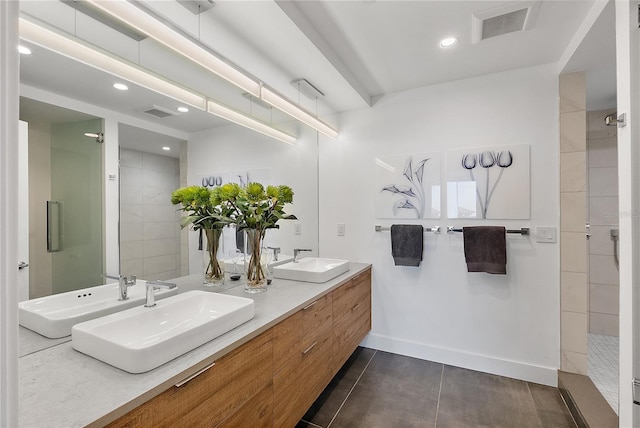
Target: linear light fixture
[
  {"x": 173, "y": 39},
  {"x": 268, "y": 96},
  {"x": 248, "y": 122},
  {"x": 146, "y": 23},
  {"x": 92, "y": 56}
]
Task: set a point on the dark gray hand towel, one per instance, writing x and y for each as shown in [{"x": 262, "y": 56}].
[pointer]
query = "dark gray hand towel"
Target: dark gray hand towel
[
  {"x": 485, "y": 249},
  {"x": 406, "y": 244}
]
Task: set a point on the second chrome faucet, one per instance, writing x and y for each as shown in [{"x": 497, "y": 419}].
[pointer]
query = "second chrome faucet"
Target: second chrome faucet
[{"x": 296, "y": 251}]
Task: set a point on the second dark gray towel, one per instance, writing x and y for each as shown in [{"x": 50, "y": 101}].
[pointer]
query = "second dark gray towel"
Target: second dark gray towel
[
  {"x": 406, "y": 244},
  {"x": 485, "y": 249}
]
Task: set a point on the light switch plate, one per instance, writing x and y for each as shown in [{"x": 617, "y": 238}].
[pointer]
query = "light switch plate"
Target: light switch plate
[
  {"x": 546, "y": 234},
  {"x": 341, "y": 228},
  {"x": 298, "y": 229}
]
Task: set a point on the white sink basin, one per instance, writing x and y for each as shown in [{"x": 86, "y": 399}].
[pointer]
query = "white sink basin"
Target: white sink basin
[
  {"x": 311, "y": 269},
  {"x": 140, "y": 339},
  {"x": 53, "y": 316}
]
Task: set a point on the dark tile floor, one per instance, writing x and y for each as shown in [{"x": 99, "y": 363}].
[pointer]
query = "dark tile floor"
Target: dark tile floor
[{"x": 379, "y": 389}]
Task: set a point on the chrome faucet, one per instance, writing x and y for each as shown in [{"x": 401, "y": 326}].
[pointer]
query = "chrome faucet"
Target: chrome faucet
[
  {"x": 152, "y": 286},
  {"x": 124, "y": 282},
  {"x": 298, "y": 250},
  {"x": 276, "y": 251}
]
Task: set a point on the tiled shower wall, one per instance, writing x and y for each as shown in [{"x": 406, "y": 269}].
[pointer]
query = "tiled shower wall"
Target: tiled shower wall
[
  {"x": 602, "y": 154},
  {"x": 149, "y": 224}
]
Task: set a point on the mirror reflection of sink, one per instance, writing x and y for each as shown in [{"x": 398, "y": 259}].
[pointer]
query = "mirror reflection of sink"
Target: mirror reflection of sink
[
  {"x": 140, "y": 339},
  {"x": 229, "y": 268},
  {"x": 311, "y": 269},
  {"x": 53, "y": 316}
]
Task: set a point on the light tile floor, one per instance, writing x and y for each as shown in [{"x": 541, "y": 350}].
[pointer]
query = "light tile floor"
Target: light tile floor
[{"x": 602, "y": 366}]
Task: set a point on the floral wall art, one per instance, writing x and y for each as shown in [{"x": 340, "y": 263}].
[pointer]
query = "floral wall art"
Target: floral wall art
[
  {"x": 408, "y": 186},
  {"x": 489, "y": 183}
]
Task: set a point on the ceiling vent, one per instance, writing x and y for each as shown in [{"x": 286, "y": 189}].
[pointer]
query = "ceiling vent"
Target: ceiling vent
[
  {"x": 197, "y": 6},
  {"x": 160, "y": 112},
  {"x": 509, "y": 18},
  {"x": 307, "y": 89}
]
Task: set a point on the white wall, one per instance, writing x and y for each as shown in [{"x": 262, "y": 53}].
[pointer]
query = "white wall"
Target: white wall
[
  {"x": 508, "y": 325},
  {"x": 233, "y": 148}
]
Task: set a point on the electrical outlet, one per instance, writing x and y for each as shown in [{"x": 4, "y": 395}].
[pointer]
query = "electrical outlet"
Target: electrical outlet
[
  {"x": 341, "y": 229},
  {"x": 298, "y": 229}
]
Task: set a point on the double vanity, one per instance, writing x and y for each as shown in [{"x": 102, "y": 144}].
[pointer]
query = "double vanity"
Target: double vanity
[{"x": 228, "y": 358}]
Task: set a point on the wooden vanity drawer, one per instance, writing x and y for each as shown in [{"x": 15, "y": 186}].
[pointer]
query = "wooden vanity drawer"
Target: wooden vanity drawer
[
  {"x": 257, "y": 413},
  {"x": 350, "y": 330},
  {"x": 316, "y": 319},
  {"x": 347, "y": 296},
  {"x": 212, "y": 396},
  {"x": 287, "y": 336}
]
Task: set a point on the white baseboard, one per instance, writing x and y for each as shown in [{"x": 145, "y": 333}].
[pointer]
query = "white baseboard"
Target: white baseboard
[{"x": 452, "y": 357}]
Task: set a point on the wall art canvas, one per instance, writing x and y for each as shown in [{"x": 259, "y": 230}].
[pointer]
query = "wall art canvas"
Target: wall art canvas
[
  {"x": 408, "y": 186},
  {"x": 489, "y": 183}
]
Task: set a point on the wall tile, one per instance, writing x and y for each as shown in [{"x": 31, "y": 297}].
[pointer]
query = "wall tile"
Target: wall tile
[
  {"x": 156, "y": 213},
  {"x": 159, "y": 247},
  {"x": 130, "y": 176},
  {"x": 573, "y": 252},
  {"x": 600, "y": 241},
  {"x": 160, "y": 180},
  {"x": 573, "y": 95},
  {"x": 573, "y": 211},
  {"x": 603, "y": 181},
  {"x": 573, "y": 331},
  {"x": 604, "y": 324},
  {"x": 159, "y": 264},
  {"x": 130, "y": 214},
  {"x": 160, "y": 230},
  {"x": 132, "y": 267},
  {"x": 132, "y": 158},
  {"x": 163, "y": 276},
  {"x": 573, "y": 132},
  {"x": 159, "y": 163},
  {"x": 603, "y": 210},
  {"x": 573, "y": 292},
  {"x": 603, "y": 152},
  {"x": 130, "y": 195},
  {"x": 130, "y": 232},
  {"x": 602, "y": 270},
  {"x": 604, "y": 299},
  {"x": 131, "y": 250},
  {"x": 595, "y": 120},
  {"x": 155, "y": 196},
  {"x": 574, "y": 362},
  {"x": 573, "y": 172}
]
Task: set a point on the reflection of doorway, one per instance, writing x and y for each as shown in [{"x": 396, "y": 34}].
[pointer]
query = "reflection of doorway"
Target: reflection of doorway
[{"x": 65, "y": 167}]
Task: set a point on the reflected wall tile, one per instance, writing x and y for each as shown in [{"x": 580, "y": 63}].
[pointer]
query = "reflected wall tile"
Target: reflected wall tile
[
  {"x": 603, "y": 181},
  {"x": 156, "y": 196},
  {"x": 604, "y": 299},
  {"x": 574, "y": 362},
  {"x": 573, "y": 95},
  {"x": 130, "y": 176},
  {"x": 159, "y": 163},
  {"x": 603, "y": 210},
  {"x": 595, "y": 119},
  {"x": 573, "y": 292},
  {"x": 162, "y": 276},
  {"x": 132, "y": 158},
  {"x": 573, "y": 132},
  {"x": 132, "y": 267},
  {"x": 573, "y": 252},
  {"x": 131, "y": 250},
  {"x": 573, "y": 211},
  {"x": 600, "y": 241},
  {"x": 573, "y": 331},
  {"x": 131, "y": 232},
  {"x": 155, "y": 213},
  {"x": 159, "y": 230},
  {"x": 573, "y": 172},
  {"x": 130, "y": 214},
  {"x": 159, "y": 247},
  {"x": 161, "y": 180},
  {"x": 602, "y": 270},
  {"x": 604, "y": 324},
  {"x": 159, "y": 264},
  {"x": 603, "y": 152},
  {"x": 130, "y": 195}
]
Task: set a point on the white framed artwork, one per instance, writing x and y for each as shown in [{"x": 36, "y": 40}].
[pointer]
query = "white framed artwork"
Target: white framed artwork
[
  {"x": 489, "y": 183},
  {"x": 408, "y": 186}
]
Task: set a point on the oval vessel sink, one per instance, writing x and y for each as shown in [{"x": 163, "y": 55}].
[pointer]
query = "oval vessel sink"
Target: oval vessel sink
[
  {"x": 53, "y": 316},
  {"x": 311, "y": 269},
  {"x": 140, "y": 339}
]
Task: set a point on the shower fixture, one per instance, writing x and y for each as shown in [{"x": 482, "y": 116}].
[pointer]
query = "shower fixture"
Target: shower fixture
[
  {"x": 99, "y": 136},
  {"x": 614, "y": 119}
]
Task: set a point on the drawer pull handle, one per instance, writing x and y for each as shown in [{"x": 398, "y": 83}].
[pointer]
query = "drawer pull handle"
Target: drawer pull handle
[
  {"x": 355, "y": 307},
  {"x": 309, "y": 348},
  {"x": 196, "y": 374},
  {"x": 309, "y": 305}
]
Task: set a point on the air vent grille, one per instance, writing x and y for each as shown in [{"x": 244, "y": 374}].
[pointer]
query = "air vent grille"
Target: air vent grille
[
  {"x": 503, "y": 24},
  {"x": 505, "y": 19},
  {"x": 158, "y": 111}
]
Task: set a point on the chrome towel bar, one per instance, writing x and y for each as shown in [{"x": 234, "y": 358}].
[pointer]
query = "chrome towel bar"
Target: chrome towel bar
[
  {"x": 522, "y": 231},
  {"x": 435, "y": 229}
]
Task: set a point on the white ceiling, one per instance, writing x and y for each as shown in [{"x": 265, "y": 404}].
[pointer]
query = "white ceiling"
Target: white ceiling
[{"x": 353, "y": 51}]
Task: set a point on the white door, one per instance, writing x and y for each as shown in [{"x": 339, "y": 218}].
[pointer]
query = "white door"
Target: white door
[
  {"x": 23, "y": 218},
  {"x": 628, "y": 94}
]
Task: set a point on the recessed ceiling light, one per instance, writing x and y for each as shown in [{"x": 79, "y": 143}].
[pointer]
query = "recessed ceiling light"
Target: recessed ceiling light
[
  {"x": 166, "y": 148},
  {"x": 448, "y": 42},
  {"x": 120, "y": 86},
  {"x": 183, "y": 109},
  {"x": 24, "y": 50}
]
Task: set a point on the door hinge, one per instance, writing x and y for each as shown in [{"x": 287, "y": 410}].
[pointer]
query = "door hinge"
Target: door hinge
[{"x": 636, "y": 391}]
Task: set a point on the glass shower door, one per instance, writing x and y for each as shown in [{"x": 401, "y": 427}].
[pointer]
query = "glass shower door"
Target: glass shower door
[{"x": 77, "y": 195}]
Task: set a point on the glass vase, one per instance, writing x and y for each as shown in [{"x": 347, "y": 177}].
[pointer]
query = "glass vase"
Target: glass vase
[
  {"x": 213, "y": 269},
  {"x": 253, "y": 267}
]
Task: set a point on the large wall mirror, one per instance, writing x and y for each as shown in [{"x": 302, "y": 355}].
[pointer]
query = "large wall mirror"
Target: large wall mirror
[{"x": 133, "y": 175}]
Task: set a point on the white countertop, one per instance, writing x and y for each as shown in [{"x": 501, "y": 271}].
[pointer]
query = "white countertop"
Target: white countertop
[{"x": 60, "y": 387}]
